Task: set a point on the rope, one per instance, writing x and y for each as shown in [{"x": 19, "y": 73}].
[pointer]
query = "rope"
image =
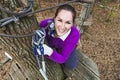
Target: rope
[{"x": 16, "y": 36}]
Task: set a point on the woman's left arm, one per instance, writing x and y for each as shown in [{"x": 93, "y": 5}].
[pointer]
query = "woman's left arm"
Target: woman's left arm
[{"x": 68, "y": 47}]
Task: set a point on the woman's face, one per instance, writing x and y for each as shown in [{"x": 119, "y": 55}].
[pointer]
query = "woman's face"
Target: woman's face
[{"x": 63, "y": 22}]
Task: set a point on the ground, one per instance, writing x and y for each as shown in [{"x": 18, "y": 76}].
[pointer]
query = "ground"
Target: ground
[{"x": 100, "y": 41}]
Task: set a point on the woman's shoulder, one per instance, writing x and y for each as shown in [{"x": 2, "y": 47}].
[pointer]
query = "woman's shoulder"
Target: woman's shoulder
[
  {"x": 74, "y": 35},
  {"x": 45, "y": 22},
  {"x": 75, "y": 31}
]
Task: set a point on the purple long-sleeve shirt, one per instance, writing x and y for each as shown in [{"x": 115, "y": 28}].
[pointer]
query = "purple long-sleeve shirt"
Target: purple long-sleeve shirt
[{"x": 61, "y": 49}]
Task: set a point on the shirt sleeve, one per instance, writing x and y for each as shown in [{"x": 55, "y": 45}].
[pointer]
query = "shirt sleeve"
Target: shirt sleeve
[{"x": 69, "y": 46}]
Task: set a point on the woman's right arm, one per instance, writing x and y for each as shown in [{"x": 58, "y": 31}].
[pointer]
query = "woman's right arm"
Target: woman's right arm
[{"x": 44, "y": 23}]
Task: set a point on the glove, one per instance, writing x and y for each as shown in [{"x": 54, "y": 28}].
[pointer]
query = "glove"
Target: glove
[{"x": 47, "y": 50}]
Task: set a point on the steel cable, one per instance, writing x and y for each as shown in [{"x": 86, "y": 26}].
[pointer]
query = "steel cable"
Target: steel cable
[
  {"x": 16, "y": 36},
  {"x": 27, "y": 9}
]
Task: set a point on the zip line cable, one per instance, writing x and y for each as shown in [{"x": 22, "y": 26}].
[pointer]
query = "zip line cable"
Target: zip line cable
[{"x": 17, "y": 36}]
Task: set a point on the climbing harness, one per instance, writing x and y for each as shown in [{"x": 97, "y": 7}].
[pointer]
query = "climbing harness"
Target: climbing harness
[{"x": 37, "y": 47}]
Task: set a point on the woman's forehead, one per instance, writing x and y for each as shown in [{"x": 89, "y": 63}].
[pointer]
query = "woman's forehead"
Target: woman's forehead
[{"x": 65, "y": 15}]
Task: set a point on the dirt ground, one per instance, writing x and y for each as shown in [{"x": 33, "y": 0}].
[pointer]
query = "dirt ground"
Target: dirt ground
[{"x": 100, "y": 41}]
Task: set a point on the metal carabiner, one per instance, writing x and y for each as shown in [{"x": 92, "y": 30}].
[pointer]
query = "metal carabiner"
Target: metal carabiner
[
  {"x": 39, "y": 37},
  {"x": 6, "y": 21}
]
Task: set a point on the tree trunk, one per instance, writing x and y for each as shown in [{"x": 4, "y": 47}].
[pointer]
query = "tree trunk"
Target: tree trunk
[{"x": 23, "y": 65}]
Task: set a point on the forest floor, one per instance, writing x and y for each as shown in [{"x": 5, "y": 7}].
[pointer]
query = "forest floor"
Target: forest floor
[{"x": 100, "y": 41}]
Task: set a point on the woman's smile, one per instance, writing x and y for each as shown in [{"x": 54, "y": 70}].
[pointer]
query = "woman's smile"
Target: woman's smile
[{"x": 63, "y": 23}]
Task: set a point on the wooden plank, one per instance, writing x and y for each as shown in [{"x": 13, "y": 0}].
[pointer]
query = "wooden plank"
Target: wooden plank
[
  {"x": 88, "y": 65},
  {"x": 86, "y": 69},
  {"x": 15, "y": 73}
]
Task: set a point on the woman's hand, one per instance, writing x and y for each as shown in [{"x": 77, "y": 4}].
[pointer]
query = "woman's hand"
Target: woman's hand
[{"x": 47, "y": 50}]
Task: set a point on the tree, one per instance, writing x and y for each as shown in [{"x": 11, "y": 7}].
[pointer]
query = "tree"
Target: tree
[{"x": 23, "y": 65}]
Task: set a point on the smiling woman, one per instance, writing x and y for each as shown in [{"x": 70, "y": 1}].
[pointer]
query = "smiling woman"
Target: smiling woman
[
  {"x": 62, "y": 39},
  {"x": 63, "y": 23}
]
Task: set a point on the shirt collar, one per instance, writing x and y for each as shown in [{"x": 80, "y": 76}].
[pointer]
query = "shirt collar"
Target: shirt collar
[{"x": 63, "y": 37}]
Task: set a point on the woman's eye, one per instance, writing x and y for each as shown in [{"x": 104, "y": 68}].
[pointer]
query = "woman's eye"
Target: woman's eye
[
  {"x": 68, "y": 22},
  {"x": 60, "y": 20}
]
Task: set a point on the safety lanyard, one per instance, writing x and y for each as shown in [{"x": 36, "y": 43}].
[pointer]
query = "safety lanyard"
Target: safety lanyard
[{"x": 37, "y": 47}]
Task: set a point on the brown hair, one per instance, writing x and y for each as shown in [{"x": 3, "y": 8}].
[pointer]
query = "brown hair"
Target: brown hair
[{"x": 68, "y": 8}]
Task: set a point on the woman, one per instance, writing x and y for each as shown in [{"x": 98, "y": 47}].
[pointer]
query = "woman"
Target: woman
[{"x": 62, "y": 37}]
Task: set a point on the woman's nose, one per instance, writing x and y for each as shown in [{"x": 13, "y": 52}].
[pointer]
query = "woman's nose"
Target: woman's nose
[{"x": 63, "y": 25}]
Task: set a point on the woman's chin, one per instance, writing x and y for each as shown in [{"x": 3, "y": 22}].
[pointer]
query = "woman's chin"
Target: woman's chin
[{"x": 59, "y": 34}]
